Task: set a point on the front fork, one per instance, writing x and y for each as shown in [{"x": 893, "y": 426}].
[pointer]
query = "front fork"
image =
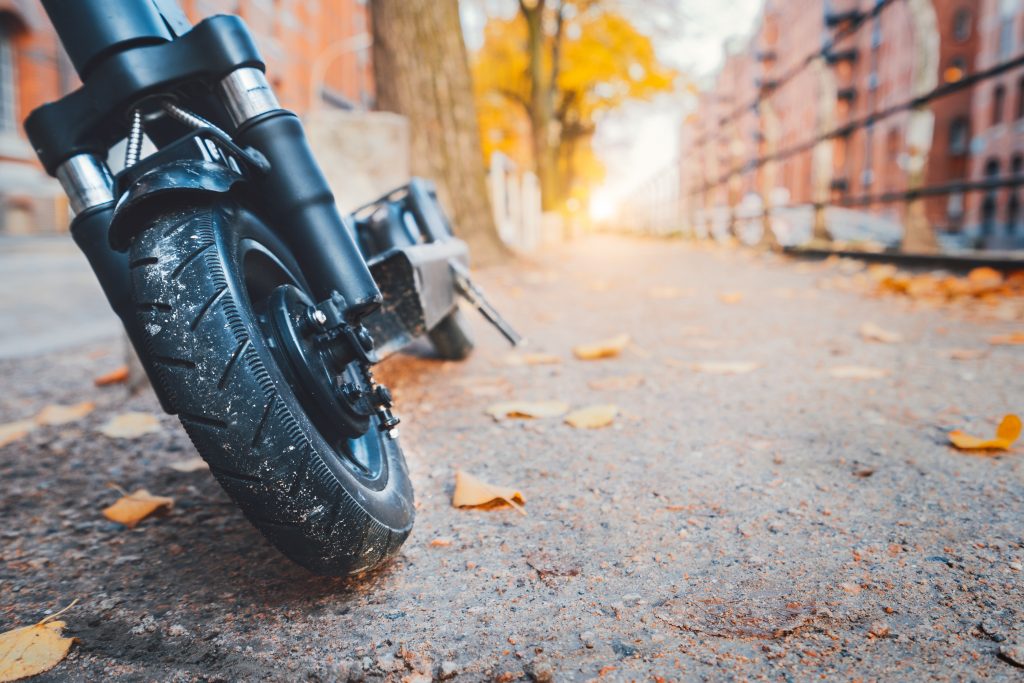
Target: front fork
[{"x": 294, "y": 196}]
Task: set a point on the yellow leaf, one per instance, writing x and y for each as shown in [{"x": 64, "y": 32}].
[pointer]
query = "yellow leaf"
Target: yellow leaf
[
  {"x": 132, "y": 508},
  {"x": 516, "y": 359},
  {"x": 725, "y": 367},
  {"x": 1006, "y": 434},
  {"x": 1012, "y": 339},
  {"x": 31, "y": 650},
  {"x": 471, "y": 492},
  {"x": 190, "y": 465},
  {"x": 609, "y": 348},
  {"x": 130, "y": 425},
  {"x": 15, "y": 431},
  {"x": 117, "y": 376},
  {"x": 874, "y": 333},
  {"x": 619, "y": 383},
  {"x": 592, "y": 417},
  {"x": 857, "y": 372},
  {"x": 730, "y": 297},
  {"x": 527, "y": 409},
  {"x": 668, "y": 292},
  {"x": 58, "y": 415}
]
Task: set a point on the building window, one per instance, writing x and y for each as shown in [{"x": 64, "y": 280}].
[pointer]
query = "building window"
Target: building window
[
  {"x": 962, "y": 25},
  {"x": 958, "y": 132},
  {"x": 1006, "y": 15},
  {"x": 988, "y": 204},
  {"x": 8, "y": 79},
  {"x": 998, "y": 104}
]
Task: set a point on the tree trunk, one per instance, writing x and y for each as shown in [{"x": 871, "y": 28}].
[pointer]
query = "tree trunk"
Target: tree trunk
[
  {"x": 545, "y": 148},
  {"x": 422, "y": 72}
]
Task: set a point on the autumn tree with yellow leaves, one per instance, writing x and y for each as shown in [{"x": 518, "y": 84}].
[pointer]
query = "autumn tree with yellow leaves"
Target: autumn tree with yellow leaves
[{"x": 544, "y": 78}]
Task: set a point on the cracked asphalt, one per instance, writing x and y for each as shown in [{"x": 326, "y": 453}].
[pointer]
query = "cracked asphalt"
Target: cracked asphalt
[{"x": 780, "y": 524}]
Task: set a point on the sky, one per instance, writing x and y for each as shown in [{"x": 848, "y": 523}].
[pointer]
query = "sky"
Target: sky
[{"x": 642, "y": 138}]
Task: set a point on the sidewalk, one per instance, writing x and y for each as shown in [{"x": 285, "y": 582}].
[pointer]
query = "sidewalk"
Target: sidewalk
[{"x": 777, "y": 523}]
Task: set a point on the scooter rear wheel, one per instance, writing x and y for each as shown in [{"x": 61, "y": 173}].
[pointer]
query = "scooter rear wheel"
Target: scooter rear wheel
[
  {"x": 202, "y": 279},
  {"x": 451, "y": 338}
]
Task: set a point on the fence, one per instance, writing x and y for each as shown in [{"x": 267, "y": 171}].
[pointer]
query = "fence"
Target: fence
[
  {"x": 667, "y": 204},
  {"x": 516, "y": 201}
]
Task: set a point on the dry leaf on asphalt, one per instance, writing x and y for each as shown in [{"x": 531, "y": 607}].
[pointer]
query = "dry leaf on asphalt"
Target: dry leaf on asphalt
[
  {"x": 130, "y": 425},
  {"x": 730, "y": 297},
  {"x": 1012, "y": 339},
  {"x": 471, "y": 492},
  {"x": 617, "y": 383},
  {"x": 965, "y": 354},
  {"x": 190, "y": 465},
  {"x": 874, "y": 333},
  {"x": 609, "y": 348},
  {"x": 515, "y": 359},
  {"x": 15, "y": 431},
  {"x": 117, "y": 376},
  {"x": 592, "y": 417},
  {"x": 132, "y": 508},
  {"x": 857, "y": 372},
  {"x": 31, "y": 650},
  {"x": 1006, "y": 434},
  {"x": 59, "y": 415},
  {"x": 527, "y": 409},
  {"x": 715, "y": 367}
]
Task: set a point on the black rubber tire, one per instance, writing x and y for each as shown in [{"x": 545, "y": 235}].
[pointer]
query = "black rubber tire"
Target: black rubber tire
[
  {"x": 451, "y": 337},
  {"x": 217, "y": 371}
]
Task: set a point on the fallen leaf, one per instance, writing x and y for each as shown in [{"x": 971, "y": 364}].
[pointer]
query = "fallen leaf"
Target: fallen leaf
[
  {"x": 58, "y": 415},
  {"x": 984, "y": 279},
  {"x": 592, "y": 417},
  {"x": 608, "y": 348},
  {"x": 31, "y": 650},
  {"x": 1006, "y": 434},
  {"x": 475, "y": 493},
  {"x": 117, "y": 376},
  {"x": 874, "y": 333},
  {"x": 527, "y": 409},
  {"x": 1012, "y": 339},
  {"x": 532, "y": 359},
  {"x": 15, "y": 431},
  {"x": 599, "y": 285},
  {"x": 191, "y": 465},
  {"x": 857, "y": 372},
  {"x": 130, "y": 425},
  {"x": 132, "y": 508},
  {"x": 966, "y": 354},
  {"x": 724, "y": 367},
  {"x": 441, "y": 542},
  {"x": 730, "y": 297},
  {"x": 618, "y": 383}
]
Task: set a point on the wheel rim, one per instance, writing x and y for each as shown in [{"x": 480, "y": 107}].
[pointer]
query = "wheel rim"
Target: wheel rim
[{"x": 276, "y": 294}]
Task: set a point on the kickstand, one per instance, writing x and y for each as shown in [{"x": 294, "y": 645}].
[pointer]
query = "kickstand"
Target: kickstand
[{"x": 472, "y": 293}]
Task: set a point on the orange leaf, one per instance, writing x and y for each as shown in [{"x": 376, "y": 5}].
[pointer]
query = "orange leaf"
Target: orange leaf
[
  {"x": 592, "y": 417},
  {"x": 117, "y": 376},
  {"x": 132, "y": 508},
  {"x": 471, "y": 492},
  {"x": 58, "y": 415},
  {"x": 857, "y": 372},
  {"x": 620, "y": 383},
  {"x": 527, "y": 409},
  {"x": 130, "y": 425},
  {"x": 31, "y": 650},
  {"x": 608, "y": 348},
  {"x": 730, "y": 297},
  {"x": 1006, "y": 434},
  {"x": 872, "y": 332},
  {"x": 532, "y": 359},
  {"x": 1012, "y": 339}
]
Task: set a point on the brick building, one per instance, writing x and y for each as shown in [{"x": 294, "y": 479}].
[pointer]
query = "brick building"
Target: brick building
[
  {"x": 317, "y": 54},
  {"x": 908, "y": 47},
  {"x": 997, "y": 146}
]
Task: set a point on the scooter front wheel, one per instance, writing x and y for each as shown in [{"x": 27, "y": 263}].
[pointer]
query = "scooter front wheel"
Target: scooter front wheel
[{"x": 204, "y": 281}]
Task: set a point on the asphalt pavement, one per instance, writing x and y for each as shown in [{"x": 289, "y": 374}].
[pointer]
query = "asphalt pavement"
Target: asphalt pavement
[{"x": 749, "y": 515}]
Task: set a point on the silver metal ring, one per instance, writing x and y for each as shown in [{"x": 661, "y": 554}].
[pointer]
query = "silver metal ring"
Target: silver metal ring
[
  {"x": 86, "y": 181},
  {"x": 247, "y": 94}
]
